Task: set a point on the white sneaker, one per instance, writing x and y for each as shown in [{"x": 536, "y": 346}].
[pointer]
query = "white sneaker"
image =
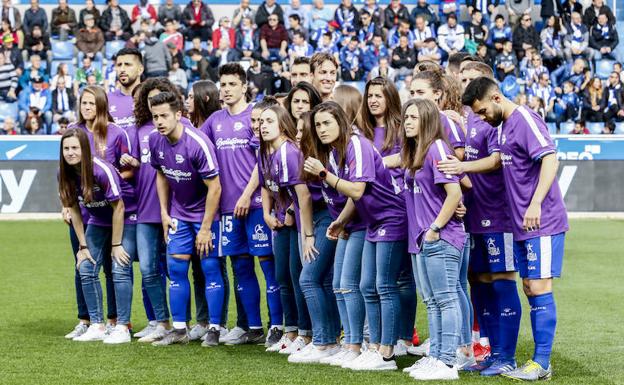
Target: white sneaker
[
  {"x": 464, "y": 361},
  {"x": 79, "y": 330},
  {"x": 109, "y": 328},
  {"x": 438, "y": 370},
  {"x": 376, "y": 361},
  {"x": 417, "y": 365},
  {"x": 314, "y": 355},
  {"x": 295, "y": 346},
  {"x": 359, "y": 360},
  {"x": 158, "y": 334},
  {"x": 233, "y": 334},
  {"x": 349, "y": 356},
  {"x": 337, "y": 356},
  {"x": 283, "y": 343},
  {"x": 400, "y": 349},
  {"x": 197, "y": 332},
  {"x": 93, "y": 333},
  {"x": 119, "y": 335},
  {"x": 420, "y": 350},
  {"x": 151, "y": 326}
]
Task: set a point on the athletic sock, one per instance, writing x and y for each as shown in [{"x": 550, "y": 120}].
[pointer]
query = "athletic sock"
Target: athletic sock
[
  {"x": 479, "y": 292},
  {"x": 147, "y": 304},
  {"x": 509, "y": 313},
  {"x": 179, "y": 288},
  {"x": 543, "y": 323},
  {"x": 477, "y": 305},
  {"x": 491, "y": 318},
  {"x": 248, "y": 289},
  {"x": 215, "y": 291},
  {"x": 273, "y": 296}
]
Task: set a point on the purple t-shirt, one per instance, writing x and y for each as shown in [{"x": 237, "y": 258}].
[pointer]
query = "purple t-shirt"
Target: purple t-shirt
[
  {"x": 426, "y": 196},
  {"x": 185, "y": 164},
  {"x": 235, "y": 145},
  {"x": 106, "y": 189},
  {"x": 121, "y": 108},
  {"x": 485, "y": 201},
  {"x": 454, "y": 133},
  {"x": 381, "y": 207},
  {"x": 378, "y": 140},
  {"x": 524, "y": 140},
  {"x": 117, "y": 143}
]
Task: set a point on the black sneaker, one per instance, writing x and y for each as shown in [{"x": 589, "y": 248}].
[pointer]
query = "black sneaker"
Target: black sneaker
[
  {"x": 252, "y": 336},
  {"x": 212, "y": 338},
  {"x": 275, "y": 335}
]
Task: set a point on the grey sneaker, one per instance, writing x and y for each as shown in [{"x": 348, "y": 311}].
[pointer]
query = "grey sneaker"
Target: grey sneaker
[
  {"x": 197, "y": 332},
  {"x": 275, "y": 335},
  {"x": 174, "y": 337},
  {"x": 79, "y": 330},
  {"x": 212, "y": 338},
  {"x": 252, "y": 336},
  {"x": 158, "y": 334},
  {"x": 151, "y": 326},
  {"x": 531, "y": 371}
]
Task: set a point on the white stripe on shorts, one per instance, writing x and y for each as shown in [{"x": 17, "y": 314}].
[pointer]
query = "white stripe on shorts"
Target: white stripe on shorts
[
  {"x": 545, "y": 257},
  {"x": 509, "y": 255}
]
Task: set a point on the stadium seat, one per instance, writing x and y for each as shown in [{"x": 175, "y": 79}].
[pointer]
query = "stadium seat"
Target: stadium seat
[
  {"x": 619, "y": 128},
  {"x": 552, "y": 128},
  {"x": 62, "y": 50},
  {"x": 604, "y": 68},
  {"x": 71, "y": 68},
  {"x": 595, "y": 127},
  {"x": 8, "y": 109},
  {"x": 566, "y": 127},
  {"x": 112, "y": 47}
]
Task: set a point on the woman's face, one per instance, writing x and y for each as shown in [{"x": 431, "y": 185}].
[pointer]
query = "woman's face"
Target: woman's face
[
  {"x": 190, "y": 107},
  {"x": 376, "y": 100},
  {"x": 269, "y": 127},
  {"x": 420, "y": 88},
  {"x": 597, "y": 83},
  {"x": 87, "y": 106},
  {"x": 71, "y": 151},
  {"x": 326, "y": 127},
  {"x": 34, "y": 124},
  {"x": 411, "y": 121},
  {"x": 300, "y": 103}
]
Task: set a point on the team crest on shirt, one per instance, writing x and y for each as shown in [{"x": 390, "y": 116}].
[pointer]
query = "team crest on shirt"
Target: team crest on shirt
[
  {"x": 259, "y": 234},
  {"x": 492, "y": 249},
  {"x": 145, "y": 139},
  {"x": 531, "y": 255},
  {"x": 238, "y": 126},
  {"x": 486, "y": 223},
  {"x": 381, "y": 232},
  {"x": 473, "y": 132},
  {"x": 113, "y": 108},
  {"x": 224, "y": 240},
  {"x": 218, "y": 129},
  {"x": 179, "y": 159},
  {"x": 161, "y": 155}
]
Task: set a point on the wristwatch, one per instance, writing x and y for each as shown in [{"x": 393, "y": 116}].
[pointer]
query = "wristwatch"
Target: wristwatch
[
  {"x": 290, "y": 212},
  {"x": 323, "y": 174},
  {"x": 434, "y": 228}
]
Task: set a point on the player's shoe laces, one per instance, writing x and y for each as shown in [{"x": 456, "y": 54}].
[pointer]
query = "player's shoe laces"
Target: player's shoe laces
[
  {"x": 212, "y": 338},
  {"x": 149, "y": 329},
  {"x": 275, "y": 335},
  {"x": 498, "y": 367},
  {"x": 418, "y": 364},
  {"x": 174, "y": 337},
  {"x": 158, "y": 334},
  {"x": 295, "y": 346},
  {"x": 531, "y": 371},
  {"x": 283, "y": 343},
  {"x": 375, "y": 361},
  {"x": 400, "y": 349},
  {"x": 252, "y": 336},
  {"x": 312, "y": 355},
  {"x": 79, "y": 330},
  {"x": 435, "y": 370},
  {"x": 233, "y": 334},
  {"x": 93, "y": 333},
  {"x": 119, "y": 335},
  {"x": 464, "y": 361},
  {"x": 420, "y": 350},
  {"x": 197, "y": 332},
  {"x": 481, "y": 352}
]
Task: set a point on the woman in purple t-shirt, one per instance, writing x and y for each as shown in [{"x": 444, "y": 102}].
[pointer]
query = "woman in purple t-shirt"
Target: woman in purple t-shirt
[
  {"x": 95, "y": 183},
  {"x": 438, "y": 237}
]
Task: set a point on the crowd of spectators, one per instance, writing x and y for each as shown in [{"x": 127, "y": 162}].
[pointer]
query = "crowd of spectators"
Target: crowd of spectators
[{"x": 549, "y": 64}]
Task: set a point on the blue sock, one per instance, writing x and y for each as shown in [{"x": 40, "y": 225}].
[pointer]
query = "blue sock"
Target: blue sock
[
  {"x": 248, "y": 289},
  {"x": 543, "y": 323},
  {"x": 147, "y": 304},
  {"x": 215, "y": 289},
  {"x": 272, "y": 291},
  {"x": 490, "y": 309},
  {"x": 476, "y": 296},
  {"x": 509, "y": 313},
  {"x": 179, "y": 288}
]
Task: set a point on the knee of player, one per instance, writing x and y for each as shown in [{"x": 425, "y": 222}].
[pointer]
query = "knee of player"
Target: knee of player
[{"x": 534, "y": 287}]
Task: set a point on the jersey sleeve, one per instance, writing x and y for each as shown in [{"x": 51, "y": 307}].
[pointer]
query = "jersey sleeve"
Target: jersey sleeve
[
  {"x": 108, "y": 180},
  {"x": 203, "y": 156},
  {"x": 492, "y": 140},
  {"x": 361, "y": 160},
  {"x": 437, "y": 152},
  {"x": 455, "y": 134},
  {"x": 290, "y": 168},
  {"x": 534, "y": 137},
  {"x": 153, "y": 139}
]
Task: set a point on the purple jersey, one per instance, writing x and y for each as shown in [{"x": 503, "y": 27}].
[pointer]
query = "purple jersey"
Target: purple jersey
[
  {"x": 426, "y": 192},
  {"x": 454, "y": 133},
  {"x": 486, "y": 203},
  {"x": 121, "y": 108},
  {"x": 236, "y": 146},
  {"x": 379, "y": 139},
  {"x": 106, "y": 189},
  {"x": 524, "y": 140},
  {"x": 381, "y": 207},
  {"x": 185, "y": 164}
]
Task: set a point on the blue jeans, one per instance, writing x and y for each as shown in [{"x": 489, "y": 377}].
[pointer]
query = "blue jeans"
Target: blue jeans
[
  {"x": 99, "y": 243},
  {"x": 438, "y": 272},
  {"x": 150, "y": 248},
  {"x": 407, "y": 296},
  {"x": 462, "y": 294},
  {"x": 346, "y": 283},
  {"x": 83, "y": 311},
  {"x": 316, "y": 284},
  {"x": 381, "y": 262}
]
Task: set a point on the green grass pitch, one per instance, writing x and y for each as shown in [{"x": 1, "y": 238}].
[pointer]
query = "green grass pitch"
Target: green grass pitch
[{"x": 37, "y": 308}]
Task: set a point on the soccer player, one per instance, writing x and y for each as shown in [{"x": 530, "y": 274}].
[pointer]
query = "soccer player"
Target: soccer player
[
  {"x": 538, "y": 215},
  {"x": 358, "y": 173},
  {"x": 437, "y": 236},
  {"x": 324, "y": 68},
  {"x": 245, "y": 235},
  {"x": 95, "y": 183},
  {"x": 128, "y": 68},
  {"x": 188, "y": 190}
]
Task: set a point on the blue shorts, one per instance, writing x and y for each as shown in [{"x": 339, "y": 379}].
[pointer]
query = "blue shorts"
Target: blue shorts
[
  {"x": 181, "y": 241},
  {"x": 492, "y": 253},
  {"x": 540, "y": 257},
  {"x": 248, "y": 235}
]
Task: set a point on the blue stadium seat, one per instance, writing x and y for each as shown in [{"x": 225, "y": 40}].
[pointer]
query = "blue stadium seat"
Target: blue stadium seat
[
  {"x": 8, "y": 109},
  {"x": 566, "y": 127},
  {"x": 552, "y": 128},
  {"x": 112, "y": 47},
  {"x": 62, "y": 50},
  {"x": 619, "y": 128},
  {"x": 604, "y": 68},
  {"x": 71, "y": 68},
  {"x": 595, "y": 127}
]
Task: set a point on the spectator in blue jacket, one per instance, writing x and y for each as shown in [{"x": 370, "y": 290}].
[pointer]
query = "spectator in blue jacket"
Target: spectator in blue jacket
[
  {"x": 368, "y": 28},
  {"x": 35, "y": 71},
  {"x": 499, "y": 33},
  {"x": 351, "y": 60},
  {"x": 36, "y": 99},
  {"x": 423, "y": 9},
  {"x": 372, "y": 54},
  {"x": 34, "y": 16},
  {"x": 567, "y": 104},
  {"x": 402, "y": 29},
  {"x": 347, "y": 17},
  {"x": 574, "y": 72}
]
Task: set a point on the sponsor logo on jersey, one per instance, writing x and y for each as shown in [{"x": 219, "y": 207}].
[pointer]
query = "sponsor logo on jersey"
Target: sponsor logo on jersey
[
  {"x": 259, "y": 234},
  {"x": 218, "y": 129},
  {"x": 238, "y": 126},
  {"x": 486, "y": 223},
  {"x": 231, "y": 143},
  {"x": 178, "y": 175},
  {"x": 381, "y": 232}
]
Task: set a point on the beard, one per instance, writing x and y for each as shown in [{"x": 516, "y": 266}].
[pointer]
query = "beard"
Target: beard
[{"x": 497, "y": 116}]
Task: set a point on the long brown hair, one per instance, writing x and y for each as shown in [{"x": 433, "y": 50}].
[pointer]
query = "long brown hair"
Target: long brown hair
[
  {"x": 350, "y": 99},
  {"x": 430, "y": 129},
  {"x": 102, "y": 115},
  {"x": 142, "y": 114},
  {"x": 321, "y": 150},
  {"x": 452, "y": 94},
  {"x": 68, "y": 175},
  {"x": 202, "y": 109},
  {"x": 392, "y": 116}
]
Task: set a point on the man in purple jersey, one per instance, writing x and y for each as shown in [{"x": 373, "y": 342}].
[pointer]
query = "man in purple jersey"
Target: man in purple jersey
[
  {"x": 189, "y": 190},
  {"x": 538, "y": 215},
  {"x": 129, "y": 68},
  {"x": 495, "y": 295},
  {"x": 245, "y": 233}
]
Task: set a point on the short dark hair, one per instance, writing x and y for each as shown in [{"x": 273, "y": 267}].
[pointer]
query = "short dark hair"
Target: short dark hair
[
  {"x": 299, "y": 33},
  {"x": 130, "y": 51},
  {"x": 301, "y": 60},
  {"x": 63, "y": 120},
  {"x": 404, "y": 21},
  {"x": 499, "y": 16},
  {"x": 364, "y": 12},
  {"x": 478, "y": 89},
  {"x": 233, "y": 69},
  {"x": 455, "y": 59},
  {"x": 294, "y": 16},
  {"x": 166, "y": 98}
]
